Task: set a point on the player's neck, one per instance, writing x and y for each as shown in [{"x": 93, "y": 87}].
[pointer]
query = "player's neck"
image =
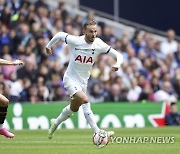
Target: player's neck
[{"x": 87, "y": 41}]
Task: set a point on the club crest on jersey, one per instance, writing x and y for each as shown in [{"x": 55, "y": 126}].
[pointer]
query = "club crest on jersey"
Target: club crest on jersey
[{"x": 84, "y": 59}]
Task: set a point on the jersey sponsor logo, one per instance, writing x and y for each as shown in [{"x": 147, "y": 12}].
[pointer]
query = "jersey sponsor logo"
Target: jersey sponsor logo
[{"x": 84, "y": 59}]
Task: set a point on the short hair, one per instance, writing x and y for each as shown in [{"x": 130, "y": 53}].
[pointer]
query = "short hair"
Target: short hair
[
  {"x": 89, "y": 22},
  {"x": 173, "y": 103}
]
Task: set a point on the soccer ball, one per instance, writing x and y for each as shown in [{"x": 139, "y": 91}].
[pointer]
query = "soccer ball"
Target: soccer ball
[{"x": 101, "y": 139}]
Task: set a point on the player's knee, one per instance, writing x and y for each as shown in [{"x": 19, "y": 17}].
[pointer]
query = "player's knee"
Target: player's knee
[
  {"x": 5, "y": 102},
  {"x": 75, "y": 109},
  {"x": 84, "y": 100}
]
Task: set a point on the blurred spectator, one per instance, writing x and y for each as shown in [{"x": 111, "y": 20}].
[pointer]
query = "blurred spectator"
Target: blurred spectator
[
  {"x": 108, "y": 34},
  {"x": 45, "y": 28},
  {"x": 134, "y": 92},
  {"x": 6, "y": 15},
  {"x": 106, "y": 88},
  {"x": 158, "y": 51},
  {"x": 59, "y": 95},
  {"x": 43, "y": 71},
  {"x": 177, "y": 56},
  {"x": 28, "y": 70},
  {"x": 14, "y": 42},
  {"x": 24, "y": 34},
  {"x": 41, "y": 3},
  {"x": 115, "y": 94},
  {"x": 150, "y": 70},
  {"x": 89, "y": 16},
  {"x": 142, "y": 81},
  {"x": 32, "y": 94},
  {"x": 4, "y": 37},
  {"x": 56, "y": 82},
  {"x": 64, "y": 55},
  {"x": 58, "y": 26},
  {"x": 176, "y": 82},
  {"x": 42, "y": 91},
  {"x": 15, "y": 92},
  {"x": 96, "y": 94},
  {"x": 155, "y": 84},
  {"x": 166, "y": 93},
  {"x": 64, "y": 12},
  {"x": 42, "y": 94},
  {"x": 137, "y": 42},
  {"x": 173, "y": 118},
  {"x": 170, "y": 45},
  {"x": 147, "y": 93}
]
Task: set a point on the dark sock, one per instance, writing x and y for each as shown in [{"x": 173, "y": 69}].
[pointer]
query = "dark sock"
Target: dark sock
[{"x": 3, "y": 113}]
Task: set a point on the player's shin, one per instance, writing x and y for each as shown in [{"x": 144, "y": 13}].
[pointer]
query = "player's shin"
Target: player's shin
[
  {"x": 90, "y": 117},
  {"x": 65, "y": 114}
]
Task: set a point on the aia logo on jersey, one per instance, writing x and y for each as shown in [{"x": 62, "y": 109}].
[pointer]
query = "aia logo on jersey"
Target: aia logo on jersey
[{"x": 84, "y": 59}]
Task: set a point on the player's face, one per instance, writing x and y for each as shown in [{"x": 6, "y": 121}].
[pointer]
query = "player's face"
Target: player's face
[
  {"x": 174, "y": 109},
  {"x": 90, "y": 33}
]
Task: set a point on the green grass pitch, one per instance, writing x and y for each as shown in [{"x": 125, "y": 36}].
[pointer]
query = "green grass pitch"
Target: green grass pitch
[{"x": 80, "y": 142}]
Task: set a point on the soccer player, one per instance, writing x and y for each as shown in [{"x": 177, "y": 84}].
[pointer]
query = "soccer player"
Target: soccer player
[
  {"x": 85, "y": 49},
  {"x": 4, "y": 102}
]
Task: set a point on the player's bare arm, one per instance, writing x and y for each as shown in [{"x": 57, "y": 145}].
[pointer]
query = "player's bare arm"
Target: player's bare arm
[{"x": 7, "y": 62}]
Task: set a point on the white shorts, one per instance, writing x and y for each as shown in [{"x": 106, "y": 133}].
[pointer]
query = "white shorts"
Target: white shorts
[{"x": 73, "y": 86}]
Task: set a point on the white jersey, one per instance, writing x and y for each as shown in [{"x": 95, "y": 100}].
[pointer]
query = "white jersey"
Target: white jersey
[{"x": 83, "y": 56}]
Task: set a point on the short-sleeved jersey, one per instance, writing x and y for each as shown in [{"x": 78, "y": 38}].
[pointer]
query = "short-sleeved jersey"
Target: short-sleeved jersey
[{"x": 83, "y": 56}]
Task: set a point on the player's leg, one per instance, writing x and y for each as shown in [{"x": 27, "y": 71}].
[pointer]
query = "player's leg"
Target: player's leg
[
  {"x": 3, "y": 109},
  {"x": 82, "y": 97},
  {"x": 68, "y": 111},
  {"x": 3, "y": 112},
  {"x": 64, "y": 115},
  {"x": 91, "y": 120},
  {"x": 89, "y": 115}
]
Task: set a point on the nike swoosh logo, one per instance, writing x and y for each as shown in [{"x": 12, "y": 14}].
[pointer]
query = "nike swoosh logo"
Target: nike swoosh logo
[{"x": 84, "y": 49}]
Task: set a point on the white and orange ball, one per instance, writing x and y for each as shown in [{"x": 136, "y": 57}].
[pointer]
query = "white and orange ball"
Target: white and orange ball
[{"x": 101, "y": 139}]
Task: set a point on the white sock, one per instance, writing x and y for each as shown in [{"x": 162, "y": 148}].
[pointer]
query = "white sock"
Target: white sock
[
  {"x": 64, "y": 115},
  {"x": 1, "y": 126},
  {"x": 90, "y": 117}
]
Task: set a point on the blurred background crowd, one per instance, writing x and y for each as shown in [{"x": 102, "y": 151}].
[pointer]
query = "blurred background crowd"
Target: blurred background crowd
[{"x": 151, "y": 68}]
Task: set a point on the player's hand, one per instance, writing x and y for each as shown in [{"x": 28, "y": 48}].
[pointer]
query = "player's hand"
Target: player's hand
[
  {"x": 49, "y": 51},
  {"x": 115, "y": 67},
  {"x": 18, "y": 62}
]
